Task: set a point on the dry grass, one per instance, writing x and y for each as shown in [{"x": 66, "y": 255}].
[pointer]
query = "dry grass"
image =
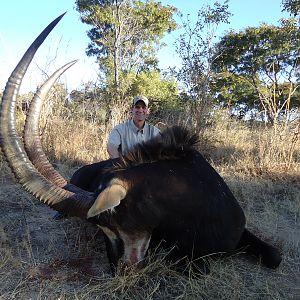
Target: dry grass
[
  {"x": 252, "y": 149},
  {"x": 45, "y": 259},
  {"x": 78, "y": 141}
]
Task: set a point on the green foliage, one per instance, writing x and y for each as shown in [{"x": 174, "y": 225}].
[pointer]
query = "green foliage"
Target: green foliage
[
  {"x": 125, "y": 35},
  {"x": 195, "y": 45},
  {"x": 195, "y": 48},
  {"x": 265, "y": 60},
  {"x": 233, "y": 90},
  {"x": 252, "y": 50},
  {"x": 291, "y": 6},
  {"x": 162, "y": 92}
]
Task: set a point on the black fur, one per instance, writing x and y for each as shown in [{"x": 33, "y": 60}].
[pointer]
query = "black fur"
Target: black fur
[
  {"x": 175, "y": 194},
  {"x": 90, "y": 177}
]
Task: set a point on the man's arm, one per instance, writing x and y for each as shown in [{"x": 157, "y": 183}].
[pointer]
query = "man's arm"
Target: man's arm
[
  {"x": 114, "y": 143},
  {"x": 113, "y": 151}
]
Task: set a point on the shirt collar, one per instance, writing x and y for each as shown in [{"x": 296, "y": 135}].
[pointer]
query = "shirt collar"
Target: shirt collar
[{"x": 135, "y": 129}]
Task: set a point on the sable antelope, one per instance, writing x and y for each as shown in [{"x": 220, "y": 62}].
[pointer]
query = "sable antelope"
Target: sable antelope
[{"x": 163, "y": 192}]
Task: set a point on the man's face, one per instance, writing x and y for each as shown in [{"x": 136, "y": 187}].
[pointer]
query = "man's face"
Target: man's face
[{"x": 140, "y": 111}]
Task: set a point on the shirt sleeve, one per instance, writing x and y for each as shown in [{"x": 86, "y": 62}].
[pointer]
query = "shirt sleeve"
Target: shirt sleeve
[
  {"x": 114, "y": 138},
  {"x": 156, "y": 131}
]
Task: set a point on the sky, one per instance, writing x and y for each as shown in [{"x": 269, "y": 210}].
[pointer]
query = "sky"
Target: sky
[{"x": 21, "y": 21}]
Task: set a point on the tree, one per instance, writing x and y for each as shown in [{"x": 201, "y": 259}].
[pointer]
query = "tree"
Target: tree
[
  {"x": 125, "y": 35},
  {"x": 162, "y": 91},
  {"x": 266, "y": 58},
  {"x": 232, "y": 90},
  {"x": 195, "y": 48},
  {"x": 291, "y": 6}
]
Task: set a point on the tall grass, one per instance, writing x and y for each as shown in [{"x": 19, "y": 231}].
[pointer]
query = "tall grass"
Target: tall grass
[
  {"x": 252, "y": 148},
  {"x": 234, "y": 146}
]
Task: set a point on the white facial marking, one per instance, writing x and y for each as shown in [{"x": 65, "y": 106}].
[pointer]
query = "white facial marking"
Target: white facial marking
[{"x": 135, "y": 247}]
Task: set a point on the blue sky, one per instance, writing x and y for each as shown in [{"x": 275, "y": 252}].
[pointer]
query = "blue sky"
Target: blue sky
[{"x": 21, "y": 21}]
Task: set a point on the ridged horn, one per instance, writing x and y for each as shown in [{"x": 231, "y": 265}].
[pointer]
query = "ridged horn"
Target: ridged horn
[
  {"x": 32, "y": 141},
  {"x": 13, "y": 149}
]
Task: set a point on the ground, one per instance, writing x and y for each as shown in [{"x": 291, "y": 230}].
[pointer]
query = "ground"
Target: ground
[{"x": 42, "y": 258}]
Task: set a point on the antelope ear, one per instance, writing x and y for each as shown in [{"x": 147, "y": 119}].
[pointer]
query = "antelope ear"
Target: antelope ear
[{"x": 107, "y": 199}]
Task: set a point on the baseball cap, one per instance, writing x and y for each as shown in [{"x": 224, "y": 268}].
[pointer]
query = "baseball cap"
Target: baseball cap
[{"x": 141, "y": 98}]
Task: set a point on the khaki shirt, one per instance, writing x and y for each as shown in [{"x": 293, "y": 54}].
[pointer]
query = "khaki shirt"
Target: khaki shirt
[{"x": 126, "y": 135}]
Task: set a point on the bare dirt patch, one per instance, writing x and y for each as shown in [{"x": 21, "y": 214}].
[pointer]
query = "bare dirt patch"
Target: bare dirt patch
[{"x": 36, "y": 248}]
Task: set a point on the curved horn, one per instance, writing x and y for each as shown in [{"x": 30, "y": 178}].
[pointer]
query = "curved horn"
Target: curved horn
[
  {"x": 13, "y": 150},
  {"x": 32, "y": 140}
]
